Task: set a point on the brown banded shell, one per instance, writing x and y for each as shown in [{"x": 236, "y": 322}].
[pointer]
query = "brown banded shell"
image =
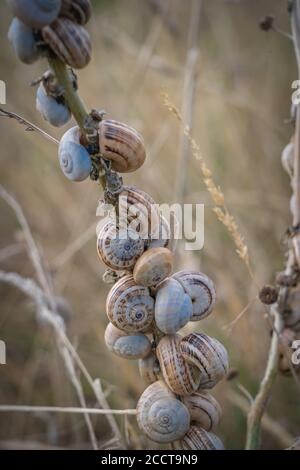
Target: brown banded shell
[
  {"x": 130, "y": 306},
  {"x": 78, "y": 11},
  {"x": 149, "y": 368},
  {"x": 119, "y": 249},
  {"x": 208, "y": 355},
  {"x": 160, "y": 415},
  {"x": 201, "y": 291},
  {"x": 153, "y": 266},
  {"x": 138, "y": 210},
  {"x": 69, "y": 41},
  {"x": 126, "y": 346},
  {"x": 121, "y": 144},
  {"x": 173, "y": 307},
  {"x": 204, "y": 409},
  {"x": 181, "y": 377},
  {"x": 198, "y": 439}
]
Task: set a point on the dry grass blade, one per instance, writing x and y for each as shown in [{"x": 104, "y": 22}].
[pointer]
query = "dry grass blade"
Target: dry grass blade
[{"x": 64, "y": 409}]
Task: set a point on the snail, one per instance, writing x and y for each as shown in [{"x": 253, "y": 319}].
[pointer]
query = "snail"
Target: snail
[
  {"x": 201, "y": 291},
  {"x": 181, "y": 377},
  {"x": 23, "y": 41},
  {"x": 208, "y": 355},
  {"x": 69, "y": 41},
  {"x": 199, "y": 439},
  {"x": 58, "y": 114},
  {"x": 160, "y": 415},
  {"x": 173, "y": 307},
  {"x": 78, "y": 11},
  {"x": 119, "y": 249},
  {"x": 138, "y": 210},
  {"x": 287, "y": 158},
  {"x": 35, "y": 13},
  {"x": 122, "y": 145},
  {"x": 149, "y": 368},
  {"x": 130, "y": 306},
  {"x": 126, "y": 346},
  {"x": 204, "y": 409},
  {"x": 74, "y": 159},
  {"x": 153, "y": 266}
]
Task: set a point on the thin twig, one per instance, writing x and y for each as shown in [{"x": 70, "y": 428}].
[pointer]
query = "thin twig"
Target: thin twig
[{"x": 62, "y": 409}]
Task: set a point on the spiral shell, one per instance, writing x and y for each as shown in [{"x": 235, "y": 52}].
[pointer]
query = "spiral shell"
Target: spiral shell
[
  {"x": 208, "y": 355},
  {"x": 198, "y": 439},
  {"x": 130, "y": 306},
  {"x": 69, "y": 41},
  {"x": 122, "y": 145},
  {"x": 74, "y": 159},
  {"x": 23, "y": 41},
  {"x": 160, "y": 415},
  {"x": 126, "y": 346},
  {"x": 204, "y": 409},
  {"x": 119, "y": 249},
  {"x": 35, "y": 13},
  {"x": 181, "y": 377},
  {"x": 138, "y": 210},
  {"x": 58, "y": 114},
  {"x": 149, "y": 368},
  {"x": 173, "y": 307},
  {"x": 78, "y": 11},
  {"x": 161, "y": 236},
  {"x": 201, "y": 291},
  {"x": 153, "y": 266}
]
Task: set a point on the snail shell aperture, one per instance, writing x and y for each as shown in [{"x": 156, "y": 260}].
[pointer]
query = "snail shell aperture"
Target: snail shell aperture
[
  {"x": 58, "y": 114},
  {"x": 134, "y": 346},
  {"x": 74, "y": 159},
  {"x": 23, "y": 41}
]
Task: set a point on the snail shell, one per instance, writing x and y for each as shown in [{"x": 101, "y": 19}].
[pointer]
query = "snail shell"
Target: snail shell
[
  {"x": 35, "y": 13},
  {"x": 287, "y": 159},
  {"x": 204, "y": 409},
  {"x": 161, "y": 236},
  {"x": 126, "y": 346},
  {"x": 208, "y": 355},
  {"x": 69, "y": 41},
  {"x": 139, "y": 210},
  {"x": 74, "y": 159},
  {"x": 153, "y": 266},
  {"x": 181, "y": 377},
  {"x": 78, "y": 11},
  {"x": 119, "y": 249},
  {"x": 130, "y": 306},
  {"x": 122, "y": 145},
  {"x": 23, "y": 41},
  {"x": 160, "y": 415},
  {"x": 149, "y": 368},
  {"x": 201, "y": 291},
  {"x": 199, "y": 439},
  {"x": 56, "y": 113},
  {"x": 173, "y": 307}
]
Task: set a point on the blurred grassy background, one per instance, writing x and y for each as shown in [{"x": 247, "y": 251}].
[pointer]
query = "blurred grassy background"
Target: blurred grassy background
[{"x": 241, "y": 107}]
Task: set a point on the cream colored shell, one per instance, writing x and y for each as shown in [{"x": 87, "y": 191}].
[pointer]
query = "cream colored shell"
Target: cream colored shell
[
  {"x": 204, "y": 409},
  {"x": 153, "y": 266}
]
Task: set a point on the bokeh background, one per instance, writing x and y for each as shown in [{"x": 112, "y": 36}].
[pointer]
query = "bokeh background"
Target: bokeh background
[{"x": 241, "y": 121}]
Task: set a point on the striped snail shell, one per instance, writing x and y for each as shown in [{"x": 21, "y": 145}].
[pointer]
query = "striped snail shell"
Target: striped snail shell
[
  {"x": 69, "y": 41},
  {"x": 78, "y": 11},
  {"x": 119, "y": 249},
  {"x": 58, "y": 114},
  {"x": 23, "y": 41},
  {"x": 201, "y": 291},
  {"x": 126, "y": 346},
  {"x": 74, "y": 159},
  {"x": 35, "y": 13},
  {"x": 122, "y": 145},
  {"x": 149, "y": 368},
  {"x": 199, "y": 439},
  {"x": 181, "y": 377},
  {"x": 130, "y": 306},
  {"x": 138, "y": 209},
  {"x": 173, "y": 307},
  {"x": 153, "y": 266},
  {"x": 208, "y": 355},
  {"x": 204, "y": 409},
  {"x": 161, "y": 237},
  {"x": 160, "y": 415}
]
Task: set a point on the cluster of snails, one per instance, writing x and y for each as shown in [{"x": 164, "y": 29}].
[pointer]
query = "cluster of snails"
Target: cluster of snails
[
  {"x": 40, "y": 26},
  {"x": 147, "y": 305}
]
